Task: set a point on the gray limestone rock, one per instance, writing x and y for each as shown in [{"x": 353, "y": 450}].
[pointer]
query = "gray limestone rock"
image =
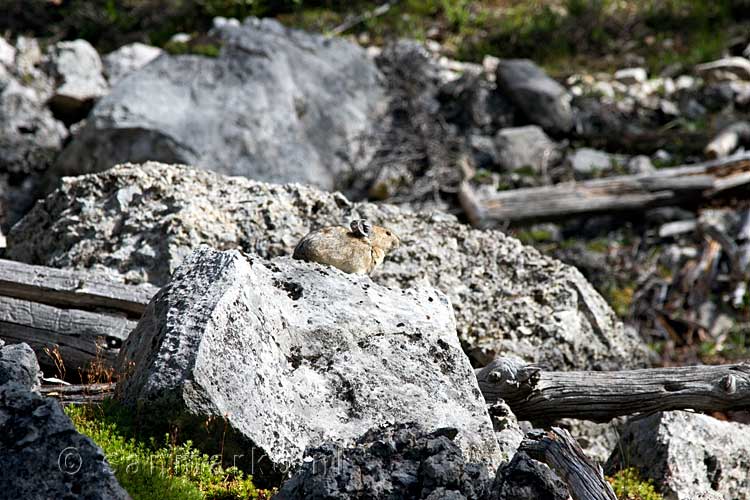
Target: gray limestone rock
[
  {"x": 544, "y": 101},
  {"x": 30, "y": 139},
  {"x": 292, "y": 354},
  {"x": 18, "y": 364},
  {"x": 527, "y": 479},
  {"x": 399, "y": 462},
  {"x": 77, "y": 68},
  {"x": 527, "y": 146},
  {"x": 585, "y": 162},
  {"x": 275, "y": 105},
  {"x": 42, "y": 455},
  {"x": 142, "y": 220},
  {"x": 688, "y": 455},
  {"x": 120, "y": 63}
]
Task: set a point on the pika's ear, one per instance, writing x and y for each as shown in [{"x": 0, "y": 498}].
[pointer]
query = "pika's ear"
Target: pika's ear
[{"x": 361, "y": 228}]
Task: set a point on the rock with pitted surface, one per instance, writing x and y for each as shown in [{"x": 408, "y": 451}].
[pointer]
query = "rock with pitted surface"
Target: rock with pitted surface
[
  {"x": 42, "y": 455},
  {"x": 276, "y": 105},
  {"x": 527, "y": 479},
  {"x": 142, "y": 220},
  {"x": 398, "y": 462},
  {"x": 288, "y": 355},
  {"x": 688, "y": 455}
]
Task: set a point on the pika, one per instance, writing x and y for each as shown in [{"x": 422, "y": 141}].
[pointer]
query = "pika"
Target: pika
[{"x": 358, "y": 249}]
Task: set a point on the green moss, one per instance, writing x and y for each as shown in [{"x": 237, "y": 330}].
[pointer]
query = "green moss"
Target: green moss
[
  {"x": 599, "y": 245},
  {"x": 525, "y": 171},
  {"x": 532, "y": 236},
  {"x": 620, "y": 298},
  {"x": 158, "y": 469},
  {"x": 629, "y": 486}
]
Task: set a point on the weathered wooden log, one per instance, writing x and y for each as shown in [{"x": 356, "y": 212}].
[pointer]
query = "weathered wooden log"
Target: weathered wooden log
[
  {"x": 562, "y": 454},
  {"x": 79, "y": 394},
  {"x": 667, "y": 186},
  {"x": 80, "y": 337},
  {"x": 80, "y": 317},
  {"x": 69, "y": 288},
  {"x": 537, "y": 395}
]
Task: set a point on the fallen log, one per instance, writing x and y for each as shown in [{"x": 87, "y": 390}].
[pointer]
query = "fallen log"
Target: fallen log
[
  {"x": 80, "y": 337},
  {"x": 79, "y": 394},
  {"x": 70, "y": 288},
  {"x": 562, "y": 454},
  {"x": 75, "y": 321},
  {"x": 667, "y": 186},
  {"x": 541, "y": 396}
]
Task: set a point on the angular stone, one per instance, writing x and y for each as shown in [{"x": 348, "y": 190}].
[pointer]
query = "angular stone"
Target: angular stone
[
  {"x": 586, "y": 161},
  {"x": 392, "y": 463},
  {"x": 275, "y": 105},
  {"x": 78, "y": 70},
  {"x": 544, "y": 101},
  {"x": 508, "y": 298},
  {"x": 687, "y": 455},
  {"x": 127, "y": 59},
  {"x": 630, "y": 76},
  {"x": 526, "y": 146},
  {"x": 41, "y": 453},
  {"x": 293, "y": 354},
  {"x": 18, "y": 364}
]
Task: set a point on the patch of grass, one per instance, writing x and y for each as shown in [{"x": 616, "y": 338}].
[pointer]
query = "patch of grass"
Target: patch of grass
[
  {"x": 563, "y": 35},
  {"x": 620, "y": 298},
  {"x": 628, "y": 485},
  {"x": 533, "y": 236},
  {"x": 158, "y": 469}
]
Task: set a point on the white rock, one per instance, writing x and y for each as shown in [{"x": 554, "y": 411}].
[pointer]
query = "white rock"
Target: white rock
[
  {"x": 629, "y": 76},
  {"x": 7, "y": 53},
  {"x": 684, "y": 82},
  {"x": 604, "y": 89},
  {"x": 586, "y": 161},
  {"x": 78, "y": 70},
  {"x": 127, "y": 59},
  {"x": 640, "y": 164},
  {"x": 180, "y": 38},
  {"x": 490, "y": 63}
]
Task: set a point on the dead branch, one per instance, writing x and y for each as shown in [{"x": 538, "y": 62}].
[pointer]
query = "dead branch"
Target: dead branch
[
  {"x": 562, "y": 454},
  {"x": 537, "y": 395},
  {"x": 667, "y": 186}
]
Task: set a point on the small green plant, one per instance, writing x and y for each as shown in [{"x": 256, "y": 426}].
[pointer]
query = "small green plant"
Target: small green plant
[
  {"x": 158, "y": 470},
  {"x": 628, "y": 485}
]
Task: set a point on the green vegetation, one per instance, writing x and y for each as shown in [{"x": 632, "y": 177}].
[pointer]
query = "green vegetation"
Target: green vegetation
[
  {"x": 629, "y": 486},
  {"x": 562, "y": 34},
  {"x": 158, "y": 470},
  {"x": 534, "y": 236}
]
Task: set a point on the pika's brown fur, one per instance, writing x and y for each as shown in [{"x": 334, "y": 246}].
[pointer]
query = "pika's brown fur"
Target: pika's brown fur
[{"x": 351, "y": 251}]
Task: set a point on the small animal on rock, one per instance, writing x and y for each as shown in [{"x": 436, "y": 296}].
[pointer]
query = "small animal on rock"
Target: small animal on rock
[{"x": 358, "y": 249}]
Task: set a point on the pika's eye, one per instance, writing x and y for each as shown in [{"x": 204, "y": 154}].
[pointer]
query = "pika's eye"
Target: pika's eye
[{"x": 388, "y": 233}]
